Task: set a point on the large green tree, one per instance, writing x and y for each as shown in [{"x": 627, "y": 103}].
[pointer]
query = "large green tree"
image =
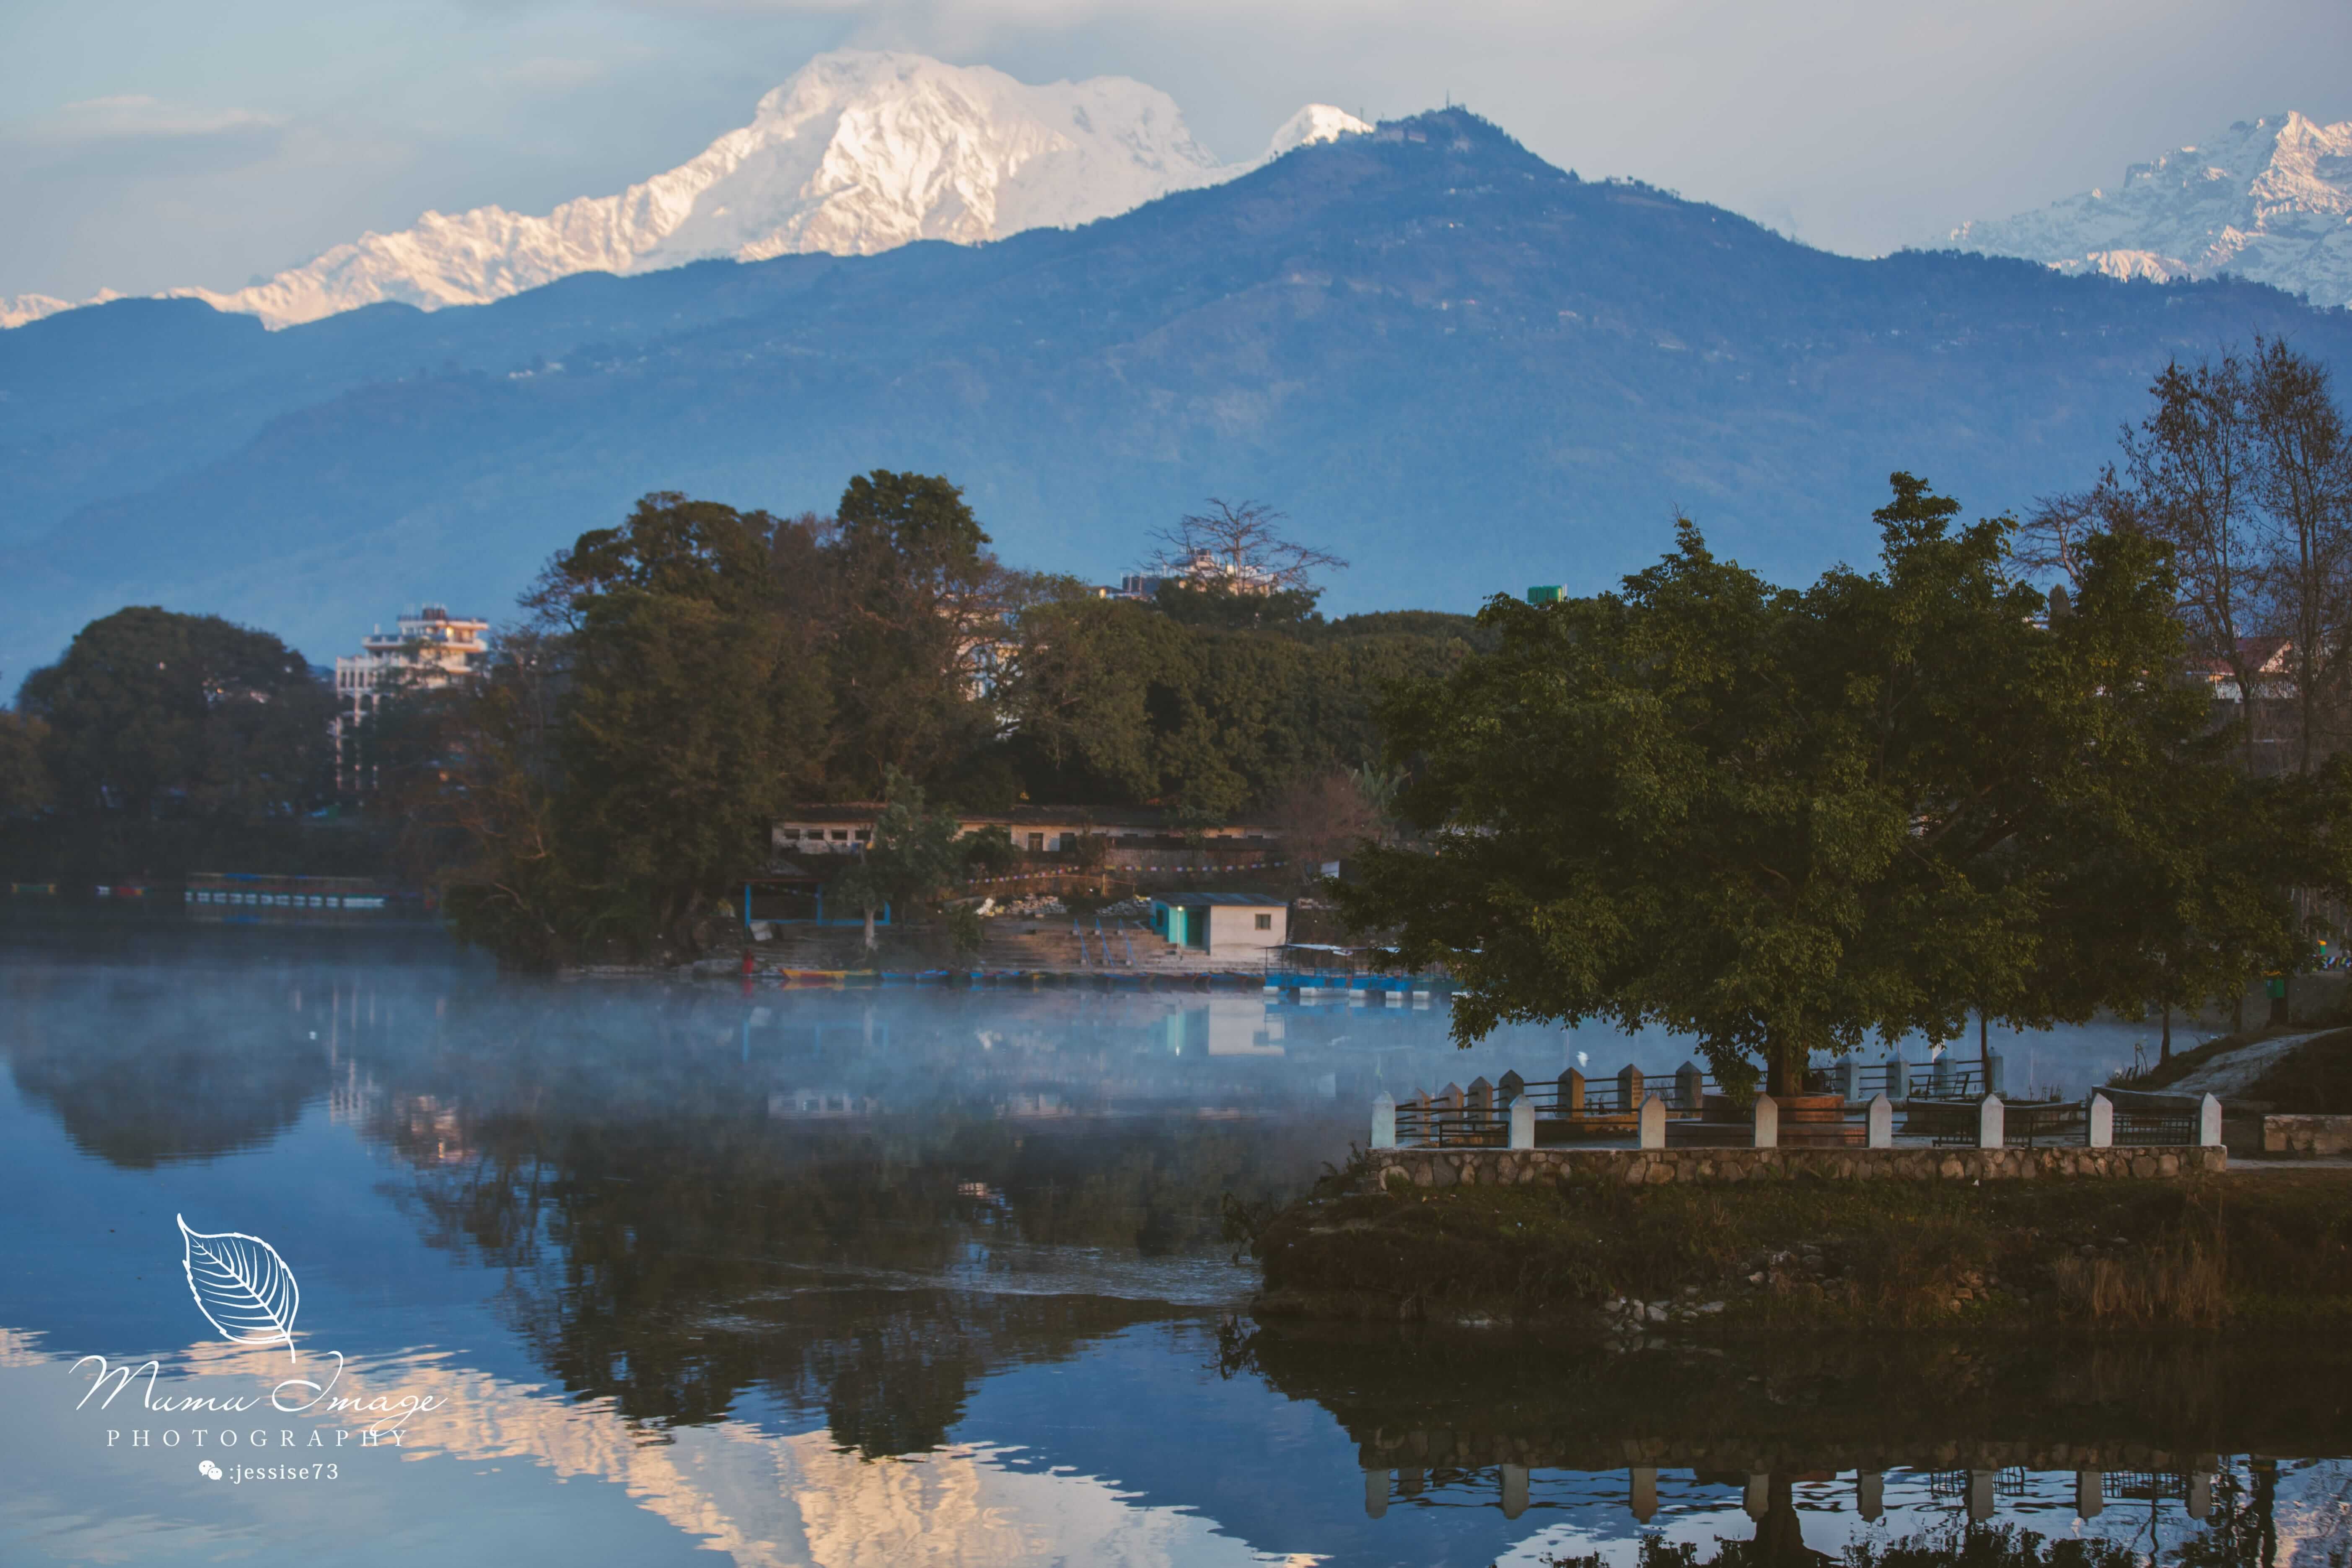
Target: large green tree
[
  {"x": 673, "y": 707},
  {"x": 1782, "y": 821},
  {"x": 2169, "y": 872},
  {"x": 151, "y": 711},
  {"x": 918, "y": 618}
]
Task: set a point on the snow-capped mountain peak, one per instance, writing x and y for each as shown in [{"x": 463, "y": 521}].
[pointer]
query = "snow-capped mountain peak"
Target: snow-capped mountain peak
[
  {"x": 2268, "y": 199},
  {"x": 856, "y": 153},
  {"x": 1316, "y": 122}
]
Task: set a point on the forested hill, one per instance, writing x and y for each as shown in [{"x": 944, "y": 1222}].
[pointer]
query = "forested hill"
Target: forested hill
[{"x": 1464, "y": 369}]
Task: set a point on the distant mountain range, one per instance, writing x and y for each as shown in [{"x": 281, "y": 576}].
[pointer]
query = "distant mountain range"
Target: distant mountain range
[
  {"x": 1463, "y": 368},
  {"x": 2269, "y": 200},
  {"x": 855, "y": 153},
  {"x": 859, "y": 152}
]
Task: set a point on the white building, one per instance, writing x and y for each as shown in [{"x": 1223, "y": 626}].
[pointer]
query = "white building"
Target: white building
[
  {"x": 1221, "y": 922},
  {"x": 428, "y": 650}
]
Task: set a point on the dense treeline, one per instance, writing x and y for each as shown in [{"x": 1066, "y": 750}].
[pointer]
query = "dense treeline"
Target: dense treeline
[
  {"x": 1779, "y": 819},
  {"x": 689, "y": 675},
  {"x": 1118, "y": 702},
  {"x": 678, "y": 680}
]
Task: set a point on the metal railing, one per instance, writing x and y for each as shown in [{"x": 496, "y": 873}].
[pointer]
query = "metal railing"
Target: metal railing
[
  {"x": 1957, "y": 1123},
  {"x": 2144, "y": 1120},
  {"x": 1569, "y": 1103}
]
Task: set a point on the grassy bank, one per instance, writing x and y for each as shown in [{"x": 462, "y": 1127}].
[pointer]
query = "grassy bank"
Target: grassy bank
[{"x": 2269, "y": 1251}]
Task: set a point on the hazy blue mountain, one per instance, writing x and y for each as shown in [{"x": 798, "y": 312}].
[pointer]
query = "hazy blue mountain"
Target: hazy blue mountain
[{"x": 1463, "y": 368}]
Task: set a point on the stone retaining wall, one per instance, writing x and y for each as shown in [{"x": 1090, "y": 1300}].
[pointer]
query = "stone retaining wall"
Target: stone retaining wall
[
  {"x": 1656, "y": 1167},
  {"x": 2310, "y": 1136}
]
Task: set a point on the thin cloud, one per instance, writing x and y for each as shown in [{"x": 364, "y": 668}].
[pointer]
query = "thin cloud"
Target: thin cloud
[
  {"x": 550, "y": 73},
  {"x": 137, "y": 117}
]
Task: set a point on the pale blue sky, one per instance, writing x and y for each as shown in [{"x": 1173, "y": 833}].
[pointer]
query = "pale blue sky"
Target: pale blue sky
[{"x": 145, "y": 144}]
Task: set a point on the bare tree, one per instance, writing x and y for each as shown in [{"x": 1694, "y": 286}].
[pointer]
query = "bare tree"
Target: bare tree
[
  {"x": 2050, "y": 541},
  {"x": 2194, "y": 469},
  {"x": 1323, "y": 818},
  {"x": 1240, "y": 548},
  {"x": 2244, "y": 468},
  {"x": 2306, "y": 487}
]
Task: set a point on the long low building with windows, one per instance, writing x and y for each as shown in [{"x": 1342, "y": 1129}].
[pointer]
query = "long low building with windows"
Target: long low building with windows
[{"x": 1121, "y": 831}]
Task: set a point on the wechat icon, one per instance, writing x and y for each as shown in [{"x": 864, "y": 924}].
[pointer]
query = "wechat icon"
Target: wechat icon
[{"x": 211, "y": 1470}]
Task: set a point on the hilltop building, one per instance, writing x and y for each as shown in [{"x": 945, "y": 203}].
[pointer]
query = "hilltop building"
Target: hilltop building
[
  {"x": 427, "y": 650},
  {"x": 1202, "y": 569},
  {"x": 1135, "y": 586}
]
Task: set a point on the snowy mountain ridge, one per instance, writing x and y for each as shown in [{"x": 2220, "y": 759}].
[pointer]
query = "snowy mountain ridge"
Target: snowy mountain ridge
[
  {"x": 856, "y": 153},
  {"x": 2269, "y": 200}
]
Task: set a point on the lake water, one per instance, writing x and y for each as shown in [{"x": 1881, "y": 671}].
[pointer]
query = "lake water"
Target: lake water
[{"x": 916, "y": 1276}]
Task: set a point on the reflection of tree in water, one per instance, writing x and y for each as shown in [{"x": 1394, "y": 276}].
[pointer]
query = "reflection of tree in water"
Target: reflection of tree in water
[
  {"x": 1776, "y": 1545},
  {"x": 1809, "y": 1400},
  {"x": 671, "y": 1268},
  {"x": 139, "y": 1079},
  {"x": 672, "y": 1245},
  {"x": 1449, "y": 1407},
  {"x": 2242, "y": 1531}
]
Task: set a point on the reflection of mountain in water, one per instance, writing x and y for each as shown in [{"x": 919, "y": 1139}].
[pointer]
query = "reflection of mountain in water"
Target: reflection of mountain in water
[{"x": 763, "y": 1495}]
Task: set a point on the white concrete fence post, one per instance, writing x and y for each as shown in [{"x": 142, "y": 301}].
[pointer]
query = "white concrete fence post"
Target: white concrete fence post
[
  {"x": 1523, "y": 1123},
  {"x": 1768, "y": 1123},
  {"x": 1653, "y": 1125},
  {"x": 1515, "y": 1491},
  {"x": 1898, "y": 1077},
  {"x": 1879, "y": 1131},
  {"x": 1995, "y": 1073},
  {"x": 2090, "y": 1493},
  {"x": 1993, "y": 1129},
  {"x": 1847, "y": 1076},
  {"x": 1869, "y": 1487},
  {"x": 2209, "y": 1123},
  {"x": 1383, "y": 1122},
  {"x": 2103, "y": 1121},
  {"x": 1642, "y": 1492}
]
